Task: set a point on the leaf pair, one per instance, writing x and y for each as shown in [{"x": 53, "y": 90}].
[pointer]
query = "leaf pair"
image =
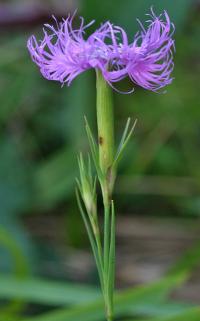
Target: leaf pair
[
  {"x": 128, "y": 131},
  {"x": 87, "y": 186},
  {"x": 124, "y": 140}
]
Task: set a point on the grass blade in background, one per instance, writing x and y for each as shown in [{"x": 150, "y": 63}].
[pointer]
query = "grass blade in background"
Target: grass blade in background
[
  {"x": 123, "y": 301},
  {"x": 46, "y": 292},
  {"x": 192, "y": 314}
]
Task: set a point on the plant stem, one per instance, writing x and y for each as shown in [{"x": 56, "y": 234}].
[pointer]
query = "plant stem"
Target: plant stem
[
  {"x": 105, "y": 125},
  {"x": 105, "y": 162}
]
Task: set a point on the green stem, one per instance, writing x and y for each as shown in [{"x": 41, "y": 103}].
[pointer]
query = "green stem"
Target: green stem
[
  {"x": 105, "y": 125},
  {"x": 99, "y": 248},
  {"x": 105, "y": 162}
]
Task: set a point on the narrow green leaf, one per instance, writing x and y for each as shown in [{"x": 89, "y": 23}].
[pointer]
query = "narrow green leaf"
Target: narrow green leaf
[
  {"x": 92, "y": 143},
  {"x": 124, "y": 142},
  {"x": 90, "y": 170},
  {"x": 111, "y": 269},
  {"x": 124, "y": 135},
  {"x": 192, "y": 314},
  {"x": 56, "y": 293},
  {"x": 79, "y": 185},
  {"x": 106, "y": 239},
  {"x": 46, "y": 292},
  {"x": 159, "y": 309},
  {"x": 92, "y": 240},
  {"x": 123, "y": 301},
  {"x": 94, "y": 193},
  {"x": 94, "y": 150}
]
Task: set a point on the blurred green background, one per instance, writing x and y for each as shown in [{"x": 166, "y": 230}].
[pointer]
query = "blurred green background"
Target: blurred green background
[{"x": 42, "y": 130}]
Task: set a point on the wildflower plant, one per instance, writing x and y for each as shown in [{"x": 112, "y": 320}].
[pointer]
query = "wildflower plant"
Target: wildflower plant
[{"x": 62, "y": 55}]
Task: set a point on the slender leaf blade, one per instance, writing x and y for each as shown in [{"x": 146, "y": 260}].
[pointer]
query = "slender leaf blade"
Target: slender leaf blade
[
  {"x": 124, "y": 300},
  {"x": 46, "y": 292}
]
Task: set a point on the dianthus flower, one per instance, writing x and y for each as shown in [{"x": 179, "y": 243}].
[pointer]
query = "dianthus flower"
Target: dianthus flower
[
  {"x": 64, "y": 52},
  {"x": 148, "y": 60}
]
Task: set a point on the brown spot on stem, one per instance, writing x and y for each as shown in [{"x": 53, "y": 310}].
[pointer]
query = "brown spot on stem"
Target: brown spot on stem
[{"x": 100, "y": 140}]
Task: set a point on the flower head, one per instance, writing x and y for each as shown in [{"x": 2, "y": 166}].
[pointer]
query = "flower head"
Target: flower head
[
  {"x": 64, "y": 52},
  {"x": 148, "y": 60}
]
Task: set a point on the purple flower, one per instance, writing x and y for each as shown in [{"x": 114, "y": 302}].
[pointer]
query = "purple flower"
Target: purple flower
[
  {"x": 148, "y": 60},
  {"x": 63, "y": 53}
]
